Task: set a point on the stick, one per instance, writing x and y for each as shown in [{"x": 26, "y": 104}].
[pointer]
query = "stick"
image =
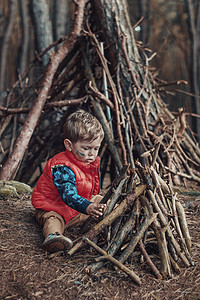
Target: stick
[
  {"x": 175, "y": 266},
  {"x": 108, "y": 194},
  {"x": 163, "y": 250},
  {"x": 148, "y": 260},
  {"x": 114, "y": 261},
  {"x": 115, "y": 196},
  {"x": 135, "y": 239},
  {"x": 183, "y": 224},
  {"x": 178, "y": 227},
  {"x": 110, "y": 218},
  {"x": 118, "y": 238},
  {"x": 164, "y": 223},
  {"x": 190, "y": 177}
]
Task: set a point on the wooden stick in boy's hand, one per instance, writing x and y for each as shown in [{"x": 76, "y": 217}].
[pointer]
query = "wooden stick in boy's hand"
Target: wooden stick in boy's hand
[
  {"x": 114, "y": 184},
  {"x": 95, "y": 210}
]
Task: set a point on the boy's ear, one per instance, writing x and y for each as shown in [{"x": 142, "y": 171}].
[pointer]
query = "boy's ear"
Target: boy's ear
[{"x": 68, "y": 144}]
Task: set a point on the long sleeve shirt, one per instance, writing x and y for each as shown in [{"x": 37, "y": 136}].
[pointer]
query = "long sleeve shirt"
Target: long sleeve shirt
[{"x": 65, "y": 181}]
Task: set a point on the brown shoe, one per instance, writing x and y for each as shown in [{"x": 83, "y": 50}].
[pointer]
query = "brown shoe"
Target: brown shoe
[{"x": 57, "y": 242}]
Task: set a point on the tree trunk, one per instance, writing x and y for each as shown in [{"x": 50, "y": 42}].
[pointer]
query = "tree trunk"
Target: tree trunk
[
  {"x": 43, "y": 26},
  {"x": 62, "y": 18},
  {"x": 130, "y": 74},
  {"x": 5, "y": 43},
  {"x": 194, "y": 24},
  {"x": 23, "y": 60}
]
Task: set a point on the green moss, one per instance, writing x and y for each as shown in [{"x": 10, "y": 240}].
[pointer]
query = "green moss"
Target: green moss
[{"x": 13, "y": 188}]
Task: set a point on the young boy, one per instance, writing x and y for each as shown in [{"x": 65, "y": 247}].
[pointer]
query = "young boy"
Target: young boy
[{"x": 69, "y": 181}]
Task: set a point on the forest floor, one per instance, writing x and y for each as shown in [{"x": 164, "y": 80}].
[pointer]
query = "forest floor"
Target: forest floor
[{"x": 27, "y": 272}]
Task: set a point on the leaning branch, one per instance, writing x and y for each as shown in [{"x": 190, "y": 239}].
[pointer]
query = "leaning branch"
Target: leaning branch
[
  {"x": 114, "y": 261},
  {"x": 24, "y": 137}
]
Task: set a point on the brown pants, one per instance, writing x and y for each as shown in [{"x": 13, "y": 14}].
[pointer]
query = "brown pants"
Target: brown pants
[{"x": 52, "y": 222}]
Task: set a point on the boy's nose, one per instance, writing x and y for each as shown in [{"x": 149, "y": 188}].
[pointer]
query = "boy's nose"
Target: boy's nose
[{"x": 91, "y": 152}]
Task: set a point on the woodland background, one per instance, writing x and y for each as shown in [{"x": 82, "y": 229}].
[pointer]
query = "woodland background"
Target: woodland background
[{"x": 135, "y": 72}]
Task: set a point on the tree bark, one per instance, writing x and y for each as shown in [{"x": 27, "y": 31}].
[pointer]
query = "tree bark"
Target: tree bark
[
  {"x": 43, "y": 27},
  {"x": 5, "y": 43},
  {"x": 194, "y": 24},
  {"x": 62, "y": 18},
  {"x": 23, "y": 60}
]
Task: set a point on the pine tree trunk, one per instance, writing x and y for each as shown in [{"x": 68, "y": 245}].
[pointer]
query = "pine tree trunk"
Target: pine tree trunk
[{"x": 43, "y": 26}]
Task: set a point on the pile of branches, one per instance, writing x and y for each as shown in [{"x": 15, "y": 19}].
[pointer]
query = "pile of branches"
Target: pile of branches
[{"x": 142, "y": 215}]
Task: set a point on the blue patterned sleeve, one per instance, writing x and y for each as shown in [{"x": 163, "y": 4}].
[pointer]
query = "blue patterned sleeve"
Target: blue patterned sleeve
[{"x": 65, "y": 181}]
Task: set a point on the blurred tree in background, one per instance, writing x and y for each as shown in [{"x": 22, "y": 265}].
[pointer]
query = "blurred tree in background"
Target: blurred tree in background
[{"x": 172, "y": 30}]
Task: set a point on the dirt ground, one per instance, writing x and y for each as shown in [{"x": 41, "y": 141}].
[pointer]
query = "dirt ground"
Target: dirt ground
[{"x": 27, "y": 272}]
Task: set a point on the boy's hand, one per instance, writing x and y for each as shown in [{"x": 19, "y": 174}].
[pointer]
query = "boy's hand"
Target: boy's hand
[{"x": 95, "y": 210}]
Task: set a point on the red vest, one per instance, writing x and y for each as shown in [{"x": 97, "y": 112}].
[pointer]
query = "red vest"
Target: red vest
[{"x": 45, "y": 195}]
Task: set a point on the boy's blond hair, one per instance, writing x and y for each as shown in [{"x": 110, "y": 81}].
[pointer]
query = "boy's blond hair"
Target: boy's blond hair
[{"x": 81, "y": 125}]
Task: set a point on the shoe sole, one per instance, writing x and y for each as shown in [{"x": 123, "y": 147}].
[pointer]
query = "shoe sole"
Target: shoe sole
[{"x": 57, "y": 244}]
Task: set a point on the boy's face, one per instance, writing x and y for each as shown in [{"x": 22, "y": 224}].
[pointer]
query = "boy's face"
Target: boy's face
[{"x": 83, "y": 150}]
